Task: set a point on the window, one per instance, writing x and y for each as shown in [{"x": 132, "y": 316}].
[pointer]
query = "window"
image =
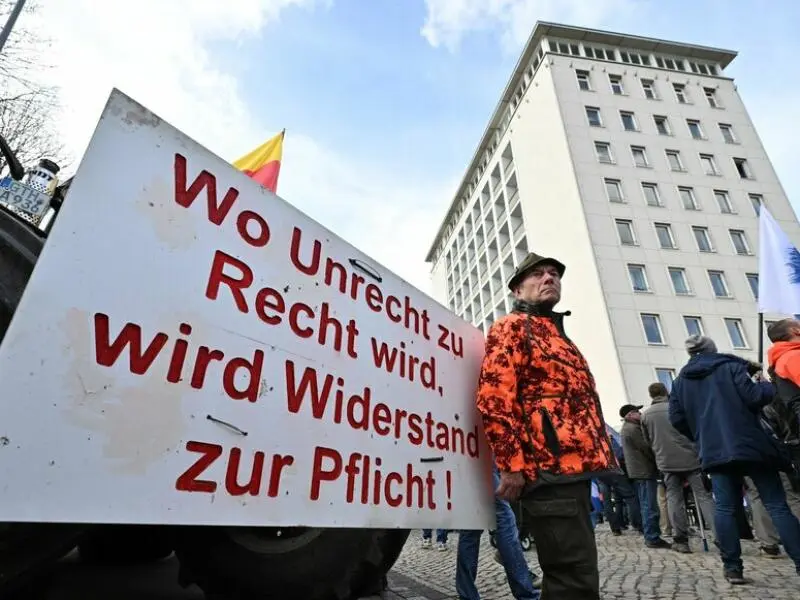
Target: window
[
  {"x": 666, "y": 376},
  {"x": 625, "y": 232},
  {"x": 593, "y": 116},
  {"x": 639, "y": 156},
  {"x": 651, "y": 195},
  {"x": 649, "y": 89},
  {"x": 603, "y": 150},
  {"x": 634, "y": 58},
  {"x": 652, "y": 329},
  {"x": 752, "y": 281},
  {"x": 703, "y": 68},
  {"x": 724, "y": 202},
  {"x": 687, "y": 198},
  {"x": 616, "y": 84},
  {"x": 709, "y": 164},
  {"x": 711, "y": 96},
  {"x": 664, "y": 235},
  {"x": 613, "y": 190},
  {"x": 584, "y": 82},
  {"x": 718, "y": 284},
  {"x": 740, "y": 242},
  {"x": 694, "y": 325},
  {"x": 756, "y": 200},
  {"x": 628, "y": 121},
  {"x": 695, "y": 129},
  {"x": 736, "y": 333},
  {"x": 674, "y": 160},
  {"x": 600, "y": 53},
  {"x": 727, "y": 133},
  {"x": 662, "y": 125},
  {"x": 743, "y": 168},
  {"x": 668, "y": 63},
  {"x": 564, "y": 48},
  {"x": 680, "y": 283},
  {"x": 680, "y": 93},
  {"x": 703, "y": 239},
  {"x": 638, "y": 277}
]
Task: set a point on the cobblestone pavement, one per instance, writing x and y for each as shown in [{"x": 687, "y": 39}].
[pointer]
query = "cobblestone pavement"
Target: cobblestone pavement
[{"x": 627, "y": 571}]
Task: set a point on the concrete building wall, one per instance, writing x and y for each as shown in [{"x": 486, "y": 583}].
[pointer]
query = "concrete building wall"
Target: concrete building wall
[
  {"x": 540, "y": 186},
  {"x": 556, "y": 225}
]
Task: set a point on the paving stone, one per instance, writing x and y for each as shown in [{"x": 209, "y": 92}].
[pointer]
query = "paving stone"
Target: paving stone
[{"x": 628, "y": 571}]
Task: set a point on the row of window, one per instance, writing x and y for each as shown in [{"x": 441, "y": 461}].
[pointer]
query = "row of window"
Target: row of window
[
  {"x": 666, "y": 238},
  {"x": 651, "y": 192},
  {"x": 674, "y": 160},
  {"x": 649, "y": 89},
  {"x": 640, "y": 282},
  {"x": 654, "y": 333},
  {"x": 631, "y": 58},
  {"x": 661, "y": 124}
]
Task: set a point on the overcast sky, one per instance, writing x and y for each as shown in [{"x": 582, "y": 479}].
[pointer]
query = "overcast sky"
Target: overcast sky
[{"x": 383, "y": 100}]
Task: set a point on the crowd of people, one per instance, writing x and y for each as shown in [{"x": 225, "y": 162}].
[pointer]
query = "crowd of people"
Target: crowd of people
[{"x": 721, "y": 434}]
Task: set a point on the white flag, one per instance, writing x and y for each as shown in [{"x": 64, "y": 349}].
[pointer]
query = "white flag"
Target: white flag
[{"x": 778, "y": 268}]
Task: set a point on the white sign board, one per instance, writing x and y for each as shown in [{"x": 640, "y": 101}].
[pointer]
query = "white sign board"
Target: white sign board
[{"x": 191, "y": 349}]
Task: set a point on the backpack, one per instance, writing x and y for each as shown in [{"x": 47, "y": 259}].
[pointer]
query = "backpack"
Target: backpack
[{"x": 777, "y": 417}]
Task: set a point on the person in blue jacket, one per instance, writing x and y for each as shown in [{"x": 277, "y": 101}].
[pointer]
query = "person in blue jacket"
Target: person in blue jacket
[{"x": 715, "y": 403}]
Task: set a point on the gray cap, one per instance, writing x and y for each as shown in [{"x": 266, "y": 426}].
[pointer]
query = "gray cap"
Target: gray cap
[{"x": 697, "y": 344}]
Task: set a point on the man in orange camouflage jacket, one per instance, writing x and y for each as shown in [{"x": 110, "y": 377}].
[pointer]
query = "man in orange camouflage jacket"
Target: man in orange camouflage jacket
[{"x": 544, "y": 424}]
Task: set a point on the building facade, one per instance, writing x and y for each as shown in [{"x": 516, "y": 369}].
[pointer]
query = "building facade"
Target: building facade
[{"x": 633, "y": 161}]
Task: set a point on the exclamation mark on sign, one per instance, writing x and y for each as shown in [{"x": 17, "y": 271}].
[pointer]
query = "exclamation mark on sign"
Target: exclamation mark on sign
[{"x": 449, "y": 483}]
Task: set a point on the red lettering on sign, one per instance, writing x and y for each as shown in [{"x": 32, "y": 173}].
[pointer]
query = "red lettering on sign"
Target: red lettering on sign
[
  {"x": 186, "y": 196},
  {"x": 107, "y": 352},
  {"x": 366, "y": 483},
  {"x": 327, "y": 398},
  {"x": 270, "y": 306},
  {"x": 188, "y": 481},
  {"x": 246, "y": 217},
  {"x": 217, "y": 277},
  {"x": 254, "y": 471}
]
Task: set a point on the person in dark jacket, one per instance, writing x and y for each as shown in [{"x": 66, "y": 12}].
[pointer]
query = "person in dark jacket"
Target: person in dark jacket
[
  {"x": 715, "y": 403},
  {"x": 618, "y": 490},
  {"x": 641, "y": 465}
]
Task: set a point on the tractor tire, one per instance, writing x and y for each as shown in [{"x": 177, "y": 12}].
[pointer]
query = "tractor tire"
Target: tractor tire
[
  {"x": 125, "y": 545},
  {"x": 288, "y": 563},
  {"x": 27, "y": 550}
]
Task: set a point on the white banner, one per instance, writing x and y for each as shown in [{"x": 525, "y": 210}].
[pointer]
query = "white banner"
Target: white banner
[{"x": 191, "y": 349}]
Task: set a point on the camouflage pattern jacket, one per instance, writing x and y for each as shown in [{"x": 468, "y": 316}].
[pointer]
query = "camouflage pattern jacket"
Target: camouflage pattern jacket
[{"x": 538, "y": 400}]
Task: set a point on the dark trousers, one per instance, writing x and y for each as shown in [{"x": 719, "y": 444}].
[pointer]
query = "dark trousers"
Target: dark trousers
[
  {"x": 728, "y": 495},
  {"x": 648, "y": 501},
  {"x": 617, "y": 489},
  {"x": 559, "y": 516}
]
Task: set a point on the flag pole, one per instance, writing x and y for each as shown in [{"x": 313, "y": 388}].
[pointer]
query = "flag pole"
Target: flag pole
[{"x": 761, "y": 338}]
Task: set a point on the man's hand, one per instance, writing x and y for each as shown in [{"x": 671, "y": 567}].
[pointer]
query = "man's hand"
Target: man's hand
[{"x": 511, "y": 485}]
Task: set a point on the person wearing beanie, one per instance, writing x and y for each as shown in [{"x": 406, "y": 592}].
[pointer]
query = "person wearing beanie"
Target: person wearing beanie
[{"x": 716, "y": 404}]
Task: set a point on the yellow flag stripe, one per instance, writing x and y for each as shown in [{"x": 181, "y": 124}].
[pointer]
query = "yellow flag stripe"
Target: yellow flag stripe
[{"x": 270, "y": 150}]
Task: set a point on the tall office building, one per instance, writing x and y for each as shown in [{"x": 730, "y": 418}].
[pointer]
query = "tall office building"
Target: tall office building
[{"x": 634, "y": 161}]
